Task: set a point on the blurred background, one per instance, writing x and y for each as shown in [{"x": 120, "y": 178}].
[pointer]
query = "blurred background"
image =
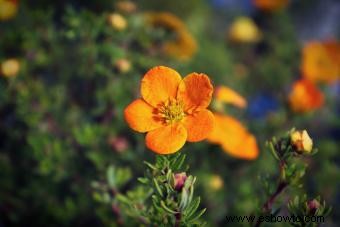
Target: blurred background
[{"x": 69, "y": 68}]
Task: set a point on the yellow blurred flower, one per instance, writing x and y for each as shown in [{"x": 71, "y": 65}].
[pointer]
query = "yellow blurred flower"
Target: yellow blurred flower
[
  {"x": 126, "y": 6},
  {"x": 184, "y": 46},
  {"x": 301, "y": 141},
  {"x": 123, "y": 65},
  {"x": 10, "y": 67},
  {"x": 216, "y": 182},
  {"x": 320, "y": 62},
  {"x": 117, "y": 21},
  {"x": 270, "y": 5},
  {"x": 305, "y": 96},
  {"x": 229, "y": 133},
  {"x": 8, "y": 9},
  {"x": 244, "y": 30}
]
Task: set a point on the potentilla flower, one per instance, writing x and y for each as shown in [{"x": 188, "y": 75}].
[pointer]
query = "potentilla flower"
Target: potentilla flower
[
  {"x": 117, "y": 21},
  {"x": 229, "y": 96},
  {"x": 305, "y": 96},
  {"x": 230, "y": 133},
  {"x": 183, "y": 46},
  {"x": 234, "y": 138},
  {"x": 301, "y": 141},
  {"x": 321, "y": 62},
  {"x": 10, "y": 67},
  {"x": 8, "y": 9},
  {"x": 244, "y": 30},
  {"x": 172, "y": 110},
  {"x": 270, "y": 5}
]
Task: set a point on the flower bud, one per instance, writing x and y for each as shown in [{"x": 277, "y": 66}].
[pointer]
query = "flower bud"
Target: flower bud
[
  {"x": 301, "y": 141},
  {"x": 10, "y": 67},
  {"x": 179, "y": 180},
  {"x": 119, "y": 144},
  {"x": 313, "y": 206},
  {"x": 117, "y": 21}
]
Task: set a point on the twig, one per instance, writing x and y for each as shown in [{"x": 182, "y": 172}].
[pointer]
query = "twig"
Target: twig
[
  {"x": 178, "y": 217},
  {"x": 267, "y": 206}
]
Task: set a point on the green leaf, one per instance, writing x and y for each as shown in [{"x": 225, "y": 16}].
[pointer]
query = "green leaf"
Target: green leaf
[
  {"x": 191, "y": 209},
  {"x": 150, "y": 165},
  {"x": 167, "y": 208},
  {"x": 143, "y": 180},
  {"x": 111, "y": 176},
  {"x": 197, "y": 216},
  {"x": 159, "y": 190}
]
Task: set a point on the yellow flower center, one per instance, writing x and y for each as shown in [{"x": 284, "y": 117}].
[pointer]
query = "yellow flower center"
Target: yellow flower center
[{"x": 171, "y": 111}]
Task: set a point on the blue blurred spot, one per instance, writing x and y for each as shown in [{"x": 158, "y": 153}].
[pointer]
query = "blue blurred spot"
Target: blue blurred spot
[
  {"x": 244, "y": 6},
  {"x": 261, "y": 105}
]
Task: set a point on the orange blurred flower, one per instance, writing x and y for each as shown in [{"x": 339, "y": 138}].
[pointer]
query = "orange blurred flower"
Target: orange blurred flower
[
  {"x": 233, "y": 137},
  {"x": 8, "y": 9},
  {"x": 228, "y": 132},
  {"x": 229, "y": 96},
  {"x": 172, "y": 110},
  {"x": 305, "y": 96},
  {"x": 126, "y": 6},
  {"x": 321, "y": 61},
  {"x": 270, "y": 5},
  {"x": 184, "y": 45}
]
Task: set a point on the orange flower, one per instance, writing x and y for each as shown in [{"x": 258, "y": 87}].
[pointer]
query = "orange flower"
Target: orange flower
[
  {"x": 305, "y": 96},
  {"x": 229, "y": 96},
  {"x": 270, "y": 5},
  {"x": 320, "y": 62},
  {"x": 228, "y": 132},
  {"x": 172, "y": 110},
  {"x": 184, "y": 45},
  {"x": 8, "y": 9},
  {"x": 233, "y": 137}
]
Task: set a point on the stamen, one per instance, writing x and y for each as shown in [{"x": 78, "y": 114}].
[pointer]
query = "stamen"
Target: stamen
[{"x": 171, "y": 111}]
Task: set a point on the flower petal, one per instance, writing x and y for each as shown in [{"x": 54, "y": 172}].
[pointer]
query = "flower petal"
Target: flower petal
[
  {"x": 199, "y": 125},
  {"x": 166, "y": 140},
  {"x": 159, "y": 85},
  {"x": 195, "y": 91},
  {"x": 234, "y": 137},
  {"x": 139, "y": 116},
  {"x": 246, "y": 149},
  {"x": 229, "y": 96},
  {"x": 305, "y": 96}
]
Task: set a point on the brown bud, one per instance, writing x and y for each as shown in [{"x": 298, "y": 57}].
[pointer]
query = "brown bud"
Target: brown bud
[{"x": 179, "y": 180}]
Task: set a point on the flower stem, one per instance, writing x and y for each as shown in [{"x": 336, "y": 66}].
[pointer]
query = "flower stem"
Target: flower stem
[{"x": 178, "y": 219}]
